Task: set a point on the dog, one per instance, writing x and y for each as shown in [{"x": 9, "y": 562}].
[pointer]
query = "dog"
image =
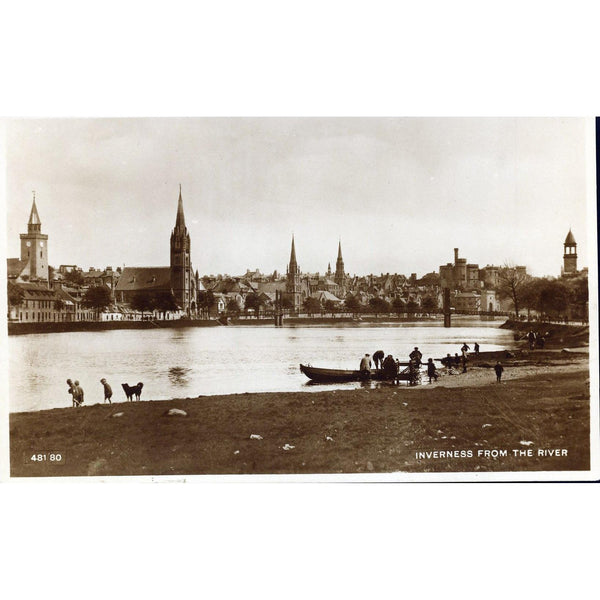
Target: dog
[{"x": 133, "y": 390}]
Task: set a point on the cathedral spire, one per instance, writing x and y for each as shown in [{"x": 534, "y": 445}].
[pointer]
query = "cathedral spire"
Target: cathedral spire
[
  {"x": 340, "y": 250},
  {"x": 180, "y": 221}
]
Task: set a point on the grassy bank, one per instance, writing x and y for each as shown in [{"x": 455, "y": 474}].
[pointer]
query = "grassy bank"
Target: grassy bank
[
  {"x": 352, "y": 431},
  {"x": 555, "y": 334}
]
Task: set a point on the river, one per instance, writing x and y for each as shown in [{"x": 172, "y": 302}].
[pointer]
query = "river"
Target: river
[{"x": 216, "y": 360}]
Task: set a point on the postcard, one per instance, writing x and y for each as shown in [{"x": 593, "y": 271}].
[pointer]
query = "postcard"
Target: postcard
[{"x": 301, "y": 299}]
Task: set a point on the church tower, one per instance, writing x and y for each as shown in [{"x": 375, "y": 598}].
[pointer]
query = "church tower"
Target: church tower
[
  {"x": 181, "y": 267},
  {"x": 570, "y": 255},
  {"x": 340, "y": 275},
  {"x": 34, "y": 247},
  {"x": 292, "y": 286}
]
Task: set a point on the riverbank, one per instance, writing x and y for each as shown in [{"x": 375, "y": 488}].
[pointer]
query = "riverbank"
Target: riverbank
[
  {"x": 67, "y": 326},
  {"x": 556, "y": 335},
  {"x": 537, "y": 419},
  {"x": 295, "y": 321}
]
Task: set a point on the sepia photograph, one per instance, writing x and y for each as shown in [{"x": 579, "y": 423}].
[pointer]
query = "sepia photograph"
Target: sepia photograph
[{"x": 312, "y": 299}]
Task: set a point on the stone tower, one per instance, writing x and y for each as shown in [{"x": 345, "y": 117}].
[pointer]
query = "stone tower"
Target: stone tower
[
  {"x": 340, "y": 275},
  {"x": 292, "y": 286},
  {"x": 34, "y": 247},
  {"x": 181, "y": 266},
  {"x": 570, "y": 255}
]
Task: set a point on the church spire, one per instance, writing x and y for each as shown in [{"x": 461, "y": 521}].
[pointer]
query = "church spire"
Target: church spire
[
  {"x": 180, "y": 221},
  {"x": 340, "y": 250},
  {"x": 293, "y": 268},
  {"x": 34, "y": 223}
]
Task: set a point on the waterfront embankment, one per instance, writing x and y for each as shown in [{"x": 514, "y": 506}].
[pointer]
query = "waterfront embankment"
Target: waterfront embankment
[{"x": 537, "y": 419}]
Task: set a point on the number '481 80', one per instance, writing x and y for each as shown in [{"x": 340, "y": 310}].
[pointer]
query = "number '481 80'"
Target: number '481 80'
[{"x": 46, "y": 457}]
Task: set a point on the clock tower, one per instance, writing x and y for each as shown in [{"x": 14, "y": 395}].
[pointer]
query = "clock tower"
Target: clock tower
[{"x": 34, "y": 247}]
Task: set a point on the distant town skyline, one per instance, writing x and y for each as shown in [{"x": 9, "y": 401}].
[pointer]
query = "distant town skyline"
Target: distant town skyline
[{"x": 399, "y": 193}]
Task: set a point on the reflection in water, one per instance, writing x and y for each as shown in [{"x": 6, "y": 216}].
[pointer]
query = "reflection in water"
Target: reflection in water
[{"x": 179, "y": 375}]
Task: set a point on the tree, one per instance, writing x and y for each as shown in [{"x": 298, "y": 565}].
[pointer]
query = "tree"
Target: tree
[
  {"x": 96, "y": 297},
  {"x": 74, "y": 277},
  {"x": 233, "y": 308},
  {"x": 164, "y": 302},
  {"x": 59, "y": 304},
  {"x": 352, "y": 304},
  {"x": 311, "y": 305},
  {"x": 398, "y": 306},
  {"x": 511, "y": 284},
  {"x": 253, "y": 302},
  {"x": 330, "y": 306},
  {"x": 429, "y": 304},
  {"x": 51, "y": 272},
  {"x": 287, "y": 302},
  {"x": 379, "y": 305},
  {"x": 206, "y": 300},
  {"x": 142, "y": 301},
  {"x": 412, "y": 307}
]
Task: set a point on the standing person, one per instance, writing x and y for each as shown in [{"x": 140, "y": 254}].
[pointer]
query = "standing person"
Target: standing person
[
  {"x": 73, "y": 392},
  {"x": 464, "y": 349},
  {"x": 78, "y": 393},
  {"x": 476, "y": 348},
  {"x": 531, "y": 339},
  {"x": 431, "y": 372},
  {"x": 365, "y": 367},
  {"x": 107, "y": 390},
  {"x": 464, "y": 362},
  {"x": 413, "y": 372},
  {"x": 416, "y": 355},
  {"x": 498, "y": 368},
  {"x": 378, "y": 359}
]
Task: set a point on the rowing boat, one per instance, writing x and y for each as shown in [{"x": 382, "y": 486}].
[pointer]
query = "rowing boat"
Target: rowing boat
[{"x": 319, "y": 375}]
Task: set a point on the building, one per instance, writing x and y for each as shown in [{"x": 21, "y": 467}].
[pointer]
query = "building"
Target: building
[
  {"x": 178, "y": 279},
  {"x": 33, "y": 264},
  {"x": 570, "y": 255}
]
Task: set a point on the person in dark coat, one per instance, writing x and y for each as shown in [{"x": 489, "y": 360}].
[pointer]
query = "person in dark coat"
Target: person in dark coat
[
  {"x": 476, "y": 348},
  {"x": 531, "y": 339},
  {"x": 378, "y": 359},
  {"x": 431, "y": 371},
  {"x": 499, "y": 369},
  {"x": 389, "y": 367},
  {"x": 416, "y": 355}
]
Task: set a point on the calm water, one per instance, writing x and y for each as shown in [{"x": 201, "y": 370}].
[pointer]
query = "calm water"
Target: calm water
[{"x": 214, "y": 360}]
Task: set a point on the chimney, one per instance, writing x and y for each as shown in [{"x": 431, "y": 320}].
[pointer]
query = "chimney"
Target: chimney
[{"x": 455, "y": 255}]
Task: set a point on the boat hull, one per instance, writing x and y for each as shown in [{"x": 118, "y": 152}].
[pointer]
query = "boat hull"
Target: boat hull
[{"x": 319, "y": 375}]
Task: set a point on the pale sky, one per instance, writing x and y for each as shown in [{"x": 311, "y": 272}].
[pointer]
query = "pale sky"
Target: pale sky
[{"x": 401, "y": 193}]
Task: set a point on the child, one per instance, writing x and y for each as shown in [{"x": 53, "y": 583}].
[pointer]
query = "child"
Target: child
[
  {"x": 498, "y": 368},
  {"x": 107, "y": 391},
  {"x": 431, "y": 371}
]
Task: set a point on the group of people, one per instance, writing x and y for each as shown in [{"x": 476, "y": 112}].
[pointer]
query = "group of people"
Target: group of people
[
  {"x": 77, "y": 394},
  {"x": 535, "y": 340},
  {"x": 391, "y": 366}
]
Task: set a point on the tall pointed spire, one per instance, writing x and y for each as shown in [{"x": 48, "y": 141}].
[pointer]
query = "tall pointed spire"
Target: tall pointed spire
[
  {"x": 293, "y": 262},
  {"x": 180, "y": 221},
  {"x": 340, "y": 250},
  {"x": 34, "y": 223}
]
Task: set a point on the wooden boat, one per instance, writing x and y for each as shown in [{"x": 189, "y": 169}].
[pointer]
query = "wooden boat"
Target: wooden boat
[{"x": 319, "y": 375}]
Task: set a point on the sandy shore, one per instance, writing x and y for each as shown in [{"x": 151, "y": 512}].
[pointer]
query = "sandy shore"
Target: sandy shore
[{"x": 537, "y": 419}]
